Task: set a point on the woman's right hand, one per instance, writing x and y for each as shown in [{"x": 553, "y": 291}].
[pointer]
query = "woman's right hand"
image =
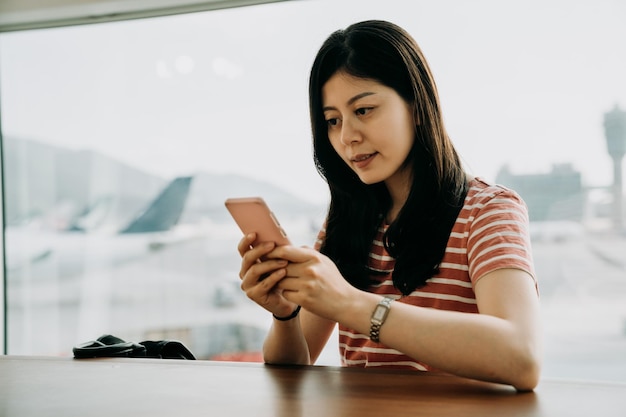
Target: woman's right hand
[{"x": 260, "y": 276}]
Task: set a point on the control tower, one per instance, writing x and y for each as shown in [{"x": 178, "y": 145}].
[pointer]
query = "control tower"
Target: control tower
[{"x": 615, "y": 133}]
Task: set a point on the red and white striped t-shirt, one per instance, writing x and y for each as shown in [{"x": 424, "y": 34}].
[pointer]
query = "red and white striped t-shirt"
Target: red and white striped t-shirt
[{"x": 491, "y": 232}]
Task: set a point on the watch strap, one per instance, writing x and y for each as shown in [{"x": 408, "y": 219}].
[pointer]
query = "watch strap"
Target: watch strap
[{"x": 379, "y": 315}]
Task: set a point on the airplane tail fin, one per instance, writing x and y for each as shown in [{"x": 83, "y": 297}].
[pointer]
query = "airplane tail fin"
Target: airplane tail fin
[{"x": 165, "y": 211}]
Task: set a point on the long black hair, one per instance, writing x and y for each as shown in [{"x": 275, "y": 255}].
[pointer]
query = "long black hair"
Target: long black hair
[{"x": 386, "y": 53}]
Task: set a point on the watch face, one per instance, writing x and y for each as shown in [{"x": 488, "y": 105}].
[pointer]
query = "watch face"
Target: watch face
[{"x": 379, "y": 313}]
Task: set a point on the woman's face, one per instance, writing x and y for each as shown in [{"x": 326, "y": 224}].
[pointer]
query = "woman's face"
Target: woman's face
[{"x": 370, "y": 126}]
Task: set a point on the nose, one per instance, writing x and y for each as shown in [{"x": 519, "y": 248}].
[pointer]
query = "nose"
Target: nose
[{"x": 350, "y": 133}]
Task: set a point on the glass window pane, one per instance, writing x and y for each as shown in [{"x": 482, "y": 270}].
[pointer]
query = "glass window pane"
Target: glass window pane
[{"x": 99, "y": 120}]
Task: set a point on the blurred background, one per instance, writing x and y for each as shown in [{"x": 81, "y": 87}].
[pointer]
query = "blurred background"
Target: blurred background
[{"x": 121, "y": 141}]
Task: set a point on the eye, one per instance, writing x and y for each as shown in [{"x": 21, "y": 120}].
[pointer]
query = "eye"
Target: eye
[
  {"x": 362, "y": 111},
  {"x": 332, "y": 121}
]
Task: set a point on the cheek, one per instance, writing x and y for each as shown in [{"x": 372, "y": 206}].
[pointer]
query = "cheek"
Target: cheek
[{"x": 406, "y": 134}]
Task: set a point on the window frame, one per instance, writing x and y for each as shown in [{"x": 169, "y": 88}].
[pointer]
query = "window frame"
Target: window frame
[{"x": 40, "y": 14}]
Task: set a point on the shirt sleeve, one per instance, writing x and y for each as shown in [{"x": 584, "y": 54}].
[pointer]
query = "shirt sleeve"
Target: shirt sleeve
[{"x": 499, "y": 234}]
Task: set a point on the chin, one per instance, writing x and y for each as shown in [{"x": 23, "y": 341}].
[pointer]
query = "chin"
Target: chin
[{"x": 369, "y": 180}]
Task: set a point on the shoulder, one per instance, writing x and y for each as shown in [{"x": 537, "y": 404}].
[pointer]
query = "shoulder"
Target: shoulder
[
  {"x": 482, "y": 191},
  {"x": 485, "y": 197},
  {"x": 496, "y": 225},
  {"x": 491, "y": 208}
]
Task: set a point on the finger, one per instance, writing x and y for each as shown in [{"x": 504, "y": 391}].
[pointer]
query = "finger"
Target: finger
[
  {"x": 253, "y": 256},
  {"x": 293, "y": 253},
  {"x": 259, "y": 290},
  {"x": 261, "y": 270},
  {"x": 289, "y": 284},
  {"x": 271, "y": 266},
  {"x": 245, "y": 243}
]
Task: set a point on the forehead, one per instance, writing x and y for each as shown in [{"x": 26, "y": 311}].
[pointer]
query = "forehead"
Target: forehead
[{"x": 341, "y": 87}]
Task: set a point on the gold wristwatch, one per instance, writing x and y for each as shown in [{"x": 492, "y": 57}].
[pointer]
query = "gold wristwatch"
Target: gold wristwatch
[{"x": 378, "y": 318}]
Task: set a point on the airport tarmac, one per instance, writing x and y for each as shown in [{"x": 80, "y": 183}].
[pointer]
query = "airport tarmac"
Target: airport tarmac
[{"x": 583, "y": 297}]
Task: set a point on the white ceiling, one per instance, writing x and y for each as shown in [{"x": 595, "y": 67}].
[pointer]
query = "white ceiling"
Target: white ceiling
[{"x": 36, "y": 14}]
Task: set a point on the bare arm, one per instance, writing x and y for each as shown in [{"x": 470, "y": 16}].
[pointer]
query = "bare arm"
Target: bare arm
[
  {"x": 297, "y": 341},
  {"x": 501, "y": 344}
]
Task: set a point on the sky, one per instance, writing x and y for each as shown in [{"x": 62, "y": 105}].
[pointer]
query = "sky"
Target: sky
[{"x": 523, "y": 83}]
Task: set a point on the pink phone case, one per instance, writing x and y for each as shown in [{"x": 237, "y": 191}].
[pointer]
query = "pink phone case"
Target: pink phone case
[{"x": 252, "y": 214}]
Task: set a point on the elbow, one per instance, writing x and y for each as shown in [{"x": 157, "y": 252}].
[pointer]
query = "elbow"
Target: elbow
[
  {"x": 294, "y": 358},
  {"x": 527, "y": 372},
  {"x": 527, "y": 380}
]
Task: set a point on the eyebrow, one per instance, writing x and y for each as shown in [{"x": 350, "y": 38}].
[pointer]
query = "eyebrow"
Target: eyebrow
[{"x": 352, "y": 100}]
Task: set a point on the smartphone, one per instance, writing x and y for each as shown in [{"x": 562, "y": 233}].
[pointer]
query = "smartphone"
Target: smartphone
[{"x": 252, "y": 214}]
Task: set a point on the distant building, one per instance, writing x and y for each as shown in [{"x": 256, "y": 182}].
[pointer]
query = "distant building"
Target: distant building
[{"x": 554, "y": 196}]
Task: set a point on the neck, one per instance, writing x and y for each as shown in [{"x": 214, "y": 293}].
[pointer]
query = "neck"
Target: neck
[{"x": 399, "y": 193}]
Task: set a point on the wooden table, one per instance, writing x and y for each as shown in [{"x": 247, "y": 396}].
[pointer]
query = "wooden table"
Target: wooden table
[{"x": 66, "y": 387}]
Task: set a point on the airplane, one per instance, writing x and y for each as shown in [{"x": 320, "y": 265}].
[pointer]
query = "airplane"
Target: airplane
[{"x": 79, "y": 247}]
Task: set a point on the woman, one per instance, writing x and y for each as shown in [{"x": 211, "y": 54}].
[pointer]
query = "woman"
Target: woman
[{"x": 422, "y": 266}]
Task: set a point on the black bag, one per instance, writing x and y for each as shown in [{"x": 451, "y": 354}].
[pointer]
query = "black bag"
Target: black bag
[{"x": 108, "y": 346}]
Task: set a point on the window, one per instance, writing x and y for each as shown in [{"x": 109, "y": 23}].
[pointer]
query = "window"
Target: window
[{"x": 100, "y": 120}]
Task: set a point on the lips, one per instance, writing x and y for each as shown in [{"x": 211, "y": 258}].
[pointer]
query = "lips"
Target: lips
[{"x": 363, "y": 159}]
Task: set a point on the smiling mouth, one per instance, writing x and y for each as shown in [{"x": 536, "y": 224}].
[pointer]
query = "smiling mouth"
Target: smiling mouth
[{"x": 363, "y": 157}]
